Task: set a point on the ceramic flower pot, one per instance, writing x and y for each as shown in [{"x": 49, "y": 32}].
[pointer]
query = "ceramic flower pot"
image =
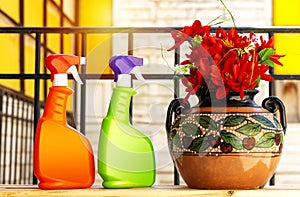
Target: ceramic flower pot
[{"x": 228, "y": 144}]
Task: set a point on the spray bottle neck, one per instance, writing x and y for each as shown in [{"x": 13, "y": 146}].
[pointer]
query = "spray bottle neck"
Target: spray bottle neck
[
  {"x": 124, "y": 80},
  {"x": 60, "y": 80}
]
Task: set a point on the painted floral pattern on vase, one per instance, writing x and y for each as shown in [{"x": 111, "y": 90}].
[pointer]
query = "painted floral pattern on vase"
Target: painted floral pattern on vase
[{"x": 226, "y": 133}]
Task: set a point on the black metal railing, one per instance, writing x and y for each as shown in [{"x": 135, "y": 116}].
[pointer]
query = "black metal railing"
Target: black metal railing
[
  {"x": 16, "y": 137},
  {"x": 82, "y": 34}
]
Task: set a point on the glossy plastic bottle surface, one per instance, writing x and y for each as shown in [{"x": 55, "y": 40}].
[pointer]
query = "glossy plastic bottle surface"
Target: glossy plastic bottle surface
[
  {"x": 125, "y": 156},
  {"x": 63, "y": 157}
]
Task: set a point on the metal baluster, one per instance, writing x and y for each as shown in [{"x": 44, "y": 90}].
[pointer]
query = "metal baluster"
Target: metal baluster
[
  {"x": 17, "y": 141},
  {"x": 5, "y": 136},
  {"x": 11, "y": 137},
  {"x": 31, "y": 135},
  {"x": 83, "y": 86},
  {"x": 130, "y": 52},
  {"x": 271, "y": 92},
  {"x": 37, "y": 86},
  {"x": 28, "y": 139},
  {"x": 2, "y": 168},
  {"x": 22, "y": 149},
  {"x": 176, "y": 95}
]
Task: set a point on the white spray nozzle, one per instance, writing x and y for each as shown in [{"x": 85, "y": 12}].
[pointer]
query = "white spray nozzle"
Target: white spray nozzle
[
  {"x": 73, "y": 71},
  {"x": 125, "y": 79},
  {"x": 136, "y": 71}
]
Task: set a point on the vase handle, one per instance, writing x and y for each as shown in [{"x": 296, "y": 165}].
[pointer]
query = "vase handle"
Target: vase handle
[
  {"x": 176, "y": 106},
  {"x": 272, "y": 104}
]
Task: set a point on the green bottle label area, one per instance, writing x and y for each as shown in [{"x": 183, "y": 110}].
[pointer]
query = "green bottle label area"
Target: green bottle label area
[{"x": 121, "y": 112}]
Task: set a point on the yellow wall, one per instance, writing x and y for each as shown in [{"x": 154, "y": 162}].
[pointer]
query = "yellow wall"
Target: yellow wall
[
  {"x": 286, "y": 13},
  {"x": 92, "y": 13},
  {"x": 97, "y": 13},
  {"x": 9, "y": 53},
  {"x": 11, "y": 7}
]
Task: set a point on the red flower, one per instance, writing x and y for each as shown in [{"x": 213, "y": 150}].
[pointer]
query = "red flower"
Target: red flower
[
  {"x": 274, "y": 58},
  {"x": 266, "y": 44},
  {"x": 192, "y": 82},
  {"x": 262, "y": 72},
  {"x": 189, "y": 32},
  {"x": 225, "y": 61},
  {"x": 232, "y": 39}
]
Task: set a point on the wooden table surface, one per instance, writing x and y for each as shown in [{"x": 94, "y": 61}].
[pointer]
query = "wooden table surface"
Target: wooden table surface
[{"x": 31, "y": 191}]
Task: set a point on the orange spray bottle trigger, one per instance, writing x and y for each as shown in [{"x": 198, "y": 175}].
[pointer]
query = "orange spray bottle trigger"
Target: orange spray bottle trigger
[{"x": 61, "y": 64}]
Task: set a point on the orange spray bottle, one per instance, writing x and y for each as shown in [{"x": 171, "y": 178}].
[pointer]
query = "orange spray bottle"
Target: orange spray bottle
[{"x": 63, "y": 157}]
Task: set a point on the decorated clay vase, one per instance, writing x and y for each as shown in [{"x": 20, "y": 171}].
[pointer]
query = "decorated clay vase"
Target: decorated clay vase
[{"x": 227, "y": 144}]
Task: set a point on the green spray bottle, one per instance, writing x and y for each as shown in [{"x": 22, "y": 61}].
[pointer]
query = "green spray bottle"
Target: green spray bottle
[{"x": 125, "y": 155}]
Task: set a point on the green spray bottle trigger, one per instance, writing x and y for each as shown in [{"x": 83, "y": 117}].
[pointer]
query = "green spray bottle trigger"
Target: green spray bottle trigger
[{"x": 125, "y": 155}]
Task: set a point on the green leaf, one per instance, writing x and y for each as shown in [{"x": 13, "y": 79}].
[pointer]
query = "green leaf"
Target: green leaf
[
  {"x": 231, "y": 121},
  {"x": 277, "y": 124},
  {"x": 199, "y": 144},
  {"x": 266, "y": 53},
  {"x": 281, "y": 138},
  {"x": 263, "y": 120},
  {"x": 207, "y": 122},
  {"x": 191, "y": 129},
  {"x": 268, "y": 62},
  {"x": 266, "y": 141},
  {"x": 250, "y": 129},
  {"x": 232, "y": 139},
  {"x": 176, "y": 141},
  {"x": 258, "y": 80}
]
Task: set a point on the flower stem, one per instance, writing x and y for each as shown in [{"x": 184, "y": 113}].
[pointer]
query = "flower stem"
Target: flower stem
[
  {"x": 226, "y": 8},
  {"x": 164, "y": 58}
]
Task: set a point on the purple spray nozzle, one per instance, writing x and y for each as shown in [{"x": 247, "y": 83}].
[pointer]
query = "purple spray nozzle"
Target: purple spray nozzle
[{"x": 123, "y": 64}]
